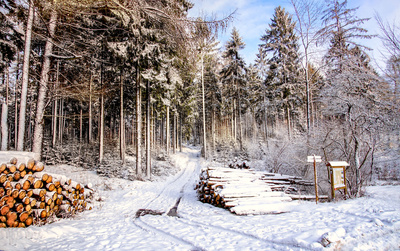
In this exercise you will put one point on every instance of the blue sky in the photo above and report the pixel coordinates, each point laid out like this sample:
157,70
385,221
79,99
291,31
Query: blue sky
253,16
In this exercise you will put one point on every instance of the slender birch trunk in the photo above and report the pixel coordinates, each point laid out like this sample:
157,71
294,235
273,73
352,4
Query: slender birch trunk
90,110
168,131
148,131
44,79
204,109
25,78
138,125
101,134
4,117
122,122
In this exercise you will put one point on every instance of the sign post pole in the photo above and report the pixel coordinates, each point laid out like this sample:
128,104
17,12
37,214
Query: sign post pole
315,159
316,180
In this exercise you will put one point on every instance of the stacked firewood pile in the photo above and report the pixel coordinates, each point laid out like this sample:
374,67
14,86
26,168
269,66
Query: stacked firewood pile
246,191
28,195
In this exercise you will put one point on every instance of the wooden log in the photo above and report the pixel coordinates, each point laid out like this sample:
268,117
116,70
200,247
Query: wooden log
21,167
41,175
76,185
32,202
19,207
15,193
21,225
39,192
30,164
17,175
9,200
12,168
7,184
38,167
59,189
37,184
40,205
3,178
3,225
3,167
50,187
23,174
13,161
29,192
40,213
11,218
23,216
30,178
29,221
3,218
22,194
52,195
16,185
26,200
28,207
4,209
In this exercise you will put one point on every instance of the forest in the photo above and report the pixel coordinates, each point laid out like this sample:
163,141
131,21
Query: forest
121,84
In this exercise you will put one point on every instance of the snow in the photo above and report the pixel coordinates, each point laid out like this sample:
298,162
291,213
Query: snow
368,223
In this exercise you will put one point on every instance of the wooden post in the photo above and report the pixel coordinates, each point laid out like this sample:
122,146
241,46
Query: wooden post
316,180
315,159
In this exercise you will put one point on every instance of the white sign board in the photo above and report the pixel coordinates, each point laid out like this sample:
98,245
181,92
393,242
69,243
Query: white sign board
312,158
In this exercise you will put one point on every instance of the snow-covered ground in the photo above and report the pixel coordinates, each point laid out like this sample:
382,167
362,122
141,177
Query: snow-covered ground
368,223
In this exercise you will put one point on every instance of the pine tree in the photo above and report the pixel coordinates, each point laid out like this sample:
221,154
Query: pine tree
283,80
351,95
233,79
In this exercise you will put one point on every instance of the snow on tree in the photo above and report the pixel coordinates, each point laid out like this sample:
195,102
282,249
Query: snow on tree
352,96
233,80
283,80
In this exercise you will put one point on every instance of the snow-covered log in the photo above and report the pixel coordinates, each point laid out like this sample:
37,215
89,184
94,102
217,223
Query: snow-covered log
247,191
29,195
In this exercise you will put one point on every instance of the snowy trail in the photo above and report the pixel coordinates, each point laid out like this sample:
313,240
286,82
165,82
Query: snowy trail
368,223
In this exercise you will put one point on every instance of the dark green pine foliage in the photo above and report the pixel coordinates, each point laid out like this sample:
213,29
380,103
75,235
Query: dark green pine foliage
233,77
233,72
10,39
283,81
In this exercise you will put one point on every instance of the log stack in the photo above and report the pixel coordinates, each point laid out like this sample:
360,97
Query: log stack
246,191
28,195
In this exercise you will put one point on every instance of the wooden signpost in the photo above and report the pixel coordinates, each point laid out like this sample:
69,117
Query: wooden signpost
315,159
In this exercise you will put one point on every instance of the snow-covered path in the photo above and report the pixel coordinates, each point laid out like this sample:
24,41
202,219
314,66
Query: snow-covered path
369,223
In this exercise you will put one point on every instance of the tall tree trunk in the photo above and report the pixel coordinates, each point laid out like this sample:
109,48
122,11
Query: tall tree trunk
138,125
168,131
101,133
44,79
55,107
204,109
81,124
4,117
357,165
122,122
180,133
61,121
148,130
213,128
90,110
17,79
25,78
288,122
174,131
